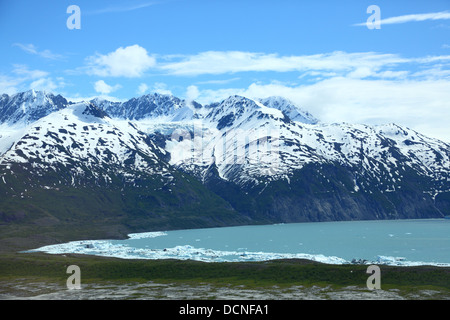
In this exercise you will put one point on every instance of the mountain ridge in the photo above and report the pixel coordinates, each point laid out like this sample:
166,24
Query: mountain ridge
166,163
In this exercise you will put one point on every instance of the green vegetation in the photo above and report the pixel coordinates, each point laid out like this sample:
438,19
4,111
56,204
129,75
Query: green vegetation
64,213
147,204
280,273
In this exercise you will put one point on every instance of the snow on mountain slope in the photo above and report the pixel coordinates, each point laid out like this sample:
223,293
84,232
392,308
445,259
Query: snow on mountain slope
82,139
247,144
248,141
265,158
10,134
294,112
26,107
152,106
240,111
428,154
211,140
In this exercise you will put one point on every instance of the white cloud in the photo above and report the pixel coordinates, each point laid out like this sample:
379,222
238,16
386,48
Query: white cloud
192,93
30,48
122,8
393,74
361,72
319,66
419,104
413,18
131,62
433,59
142,88
221,82
23,78
134,61
433,74
417,17
44,84
361,87
23,71
8,85
220,62
161,88
47,84
101,87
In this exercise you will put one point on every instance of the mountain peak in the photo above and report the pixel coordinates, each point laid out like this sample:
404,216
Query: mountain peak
289,108
29,106
245,150
93,110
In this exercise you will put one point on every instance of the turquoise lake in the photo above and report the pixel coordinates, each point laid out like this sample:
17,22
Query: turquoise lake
395,242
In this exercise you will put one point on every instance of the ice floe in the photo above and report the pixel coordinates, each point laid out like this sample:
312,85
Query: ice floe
187,252
147,235
182,252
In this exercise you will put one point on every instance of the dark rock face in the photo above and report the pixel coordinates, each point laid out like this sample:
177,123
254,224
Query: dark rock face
29,106
308,196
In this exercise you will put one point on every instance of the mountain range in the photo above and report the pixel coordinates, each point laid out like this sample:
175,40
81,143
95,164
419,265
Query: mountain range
159,162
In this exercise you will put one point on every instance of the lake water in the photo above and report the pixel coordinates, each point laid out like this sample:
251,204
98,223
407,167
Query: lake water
394,242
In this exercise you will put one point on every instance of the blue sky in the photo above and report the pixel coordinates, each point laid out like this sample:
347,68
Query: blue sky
319,54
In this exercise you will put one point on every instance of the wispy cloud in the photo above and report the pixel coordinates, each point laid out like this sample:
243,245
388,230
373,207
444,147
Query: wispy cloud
134,62
47,84
8,84
161,88
143,87
219,82
444,15
125,8
24,72
359,65
22,78
222,62
158,87
366,87
31,49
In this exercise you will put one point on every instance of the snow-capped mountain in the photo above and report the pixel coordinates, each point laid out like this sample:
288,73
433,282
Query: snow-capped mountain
151,106
79,164
27,107
290,109
255,160
266,142
79,139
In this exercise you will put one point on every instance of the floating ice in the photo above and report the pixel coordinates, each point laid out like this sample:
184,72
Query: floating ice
185,252
204,250
146,235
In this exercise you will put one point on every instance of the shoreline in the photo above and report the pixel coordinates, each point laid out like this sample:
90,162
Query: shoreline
29,272
105,247
187,252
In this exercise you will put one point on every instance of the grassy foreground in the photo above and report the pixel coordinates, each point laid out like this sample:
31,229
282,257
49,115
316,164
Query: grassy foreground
282,273
40,267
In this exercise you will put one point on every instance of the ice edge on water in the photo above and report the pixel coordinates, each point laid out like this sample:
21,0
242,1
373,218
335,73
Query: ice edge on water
186,252
143,235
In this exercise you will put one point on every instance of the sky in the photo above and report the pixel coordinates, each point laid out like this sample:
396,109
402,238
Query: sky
354,61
